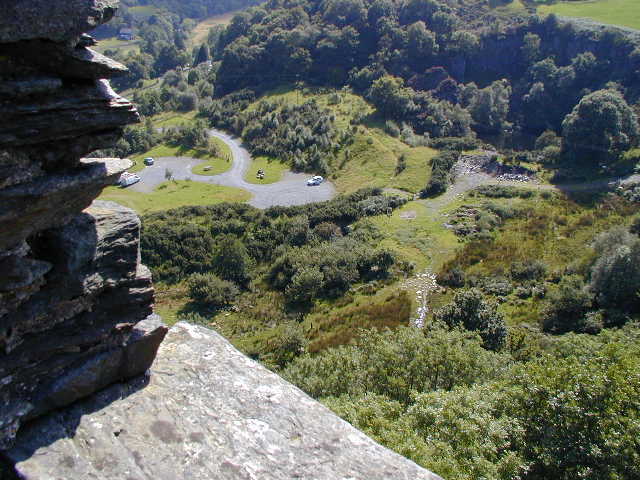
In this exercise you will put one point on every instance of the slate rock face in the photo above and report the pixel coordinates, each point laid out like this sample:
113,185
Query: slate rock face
205,412
58,21
75,303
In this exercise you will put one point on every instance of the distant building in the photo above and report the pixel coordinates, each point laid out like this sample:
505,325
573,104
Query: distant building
126,34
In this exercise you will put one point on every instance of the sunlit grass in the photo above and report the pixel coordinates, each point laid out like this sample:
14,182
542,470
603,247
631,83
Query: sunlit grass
273,170
174,194
123,46
201,31
625,13
173,119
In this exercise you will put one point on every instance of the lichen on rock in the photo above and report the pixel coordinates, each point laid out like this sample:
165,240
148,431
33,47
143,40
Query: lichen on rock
205,412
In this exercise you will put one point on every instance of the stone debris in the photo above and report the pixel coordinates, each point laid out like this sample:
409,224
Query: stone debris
423,284
514,177
487,162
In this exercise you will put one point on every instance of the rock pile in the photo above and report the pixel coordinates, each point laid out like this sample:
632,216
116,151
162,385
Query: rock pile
487,161
73,295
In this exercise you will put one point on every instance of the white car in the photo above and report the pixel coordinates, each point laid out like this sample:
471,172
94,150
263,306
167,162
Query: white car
317,180
149,161
127,179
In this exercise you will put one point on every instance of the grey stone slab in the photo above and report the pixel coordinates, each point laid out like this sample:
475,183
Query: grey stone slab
207,412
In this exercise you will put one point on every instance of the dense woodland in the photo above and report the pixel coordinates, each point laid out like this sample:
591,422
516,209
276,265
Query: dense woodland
528,363
431,70
419,61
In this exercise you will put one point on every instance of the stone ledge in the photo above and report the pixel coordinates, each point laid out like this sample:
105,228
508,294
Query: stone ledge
208,412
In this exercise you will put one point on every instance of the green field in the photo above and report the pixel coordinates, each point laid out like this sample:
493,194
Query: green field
213,167
273,170
142,12
416,232
122,46
165,150
173,119
625,13
174,194
201,30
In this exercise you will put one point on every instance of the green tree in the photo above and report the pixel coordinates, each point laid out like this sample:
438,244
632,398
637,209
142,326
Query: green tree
566,307
599,128
231,260
305,285
579,413
391,97
421,43
490,108
531,47
202,56
209,290
615,277
470,310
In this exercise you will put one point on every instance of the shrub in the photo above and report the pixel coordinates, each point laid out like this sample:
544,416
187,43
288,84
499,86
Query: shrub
615,277
288,343
548,138
441,166
306,284
392,128
187,102
635,226
402,164
396,363
528,270
455,143
499,286
209,290
503,191
327,231
470,310
578,412
566,307
453,277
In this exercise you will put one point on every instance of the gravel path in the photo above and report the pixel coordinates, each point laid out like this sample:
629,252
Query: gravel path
291,190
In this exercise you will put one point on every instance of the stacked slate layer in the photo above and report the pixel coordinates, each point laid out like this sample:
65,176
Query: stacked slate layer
75,302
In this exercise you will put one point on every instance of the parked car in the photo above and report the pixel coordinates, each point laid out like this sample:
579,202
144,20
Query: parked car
316,180
127,179
149,161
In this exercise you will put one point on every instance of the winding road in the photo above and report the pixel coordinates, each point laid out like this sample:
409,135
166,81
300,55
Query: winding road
290,190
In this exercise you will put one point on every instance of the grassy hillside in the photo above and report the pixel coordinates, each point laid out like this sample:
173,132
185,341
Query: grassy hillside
625,13
121,46
372,159
201,30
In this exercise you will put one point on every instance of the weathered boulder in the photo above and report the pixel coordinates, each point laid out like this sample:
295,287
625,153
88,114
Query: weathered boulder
206,412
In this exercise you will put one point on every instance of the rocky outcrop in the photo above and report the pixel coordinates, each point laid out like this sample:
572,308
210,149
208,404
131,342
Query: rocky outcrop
75,303
206,412
76,323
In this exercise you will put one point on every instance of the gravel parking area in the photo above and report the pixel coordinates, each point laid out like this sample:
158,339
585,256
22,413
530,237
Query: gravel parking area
291,190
